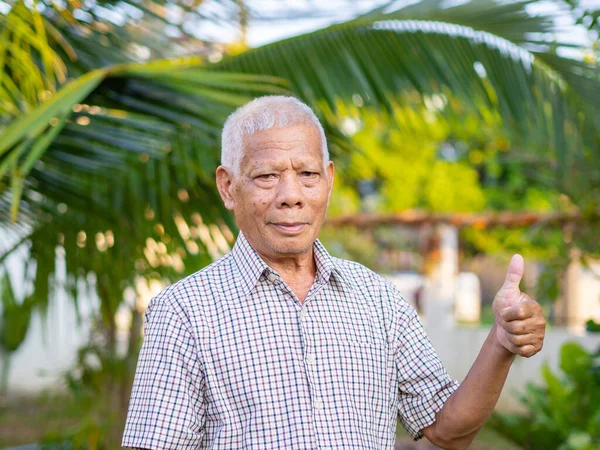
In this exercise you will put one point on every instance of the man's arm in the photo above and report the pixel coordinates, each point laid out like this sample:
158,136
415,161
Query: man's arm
518,329
166,408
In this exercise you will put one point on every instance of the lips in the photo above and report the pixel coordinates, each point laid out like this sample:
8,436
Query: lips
290,227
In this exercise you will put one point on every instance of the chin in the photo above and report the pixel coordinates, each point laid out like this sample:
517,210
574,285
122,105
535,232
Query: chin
291,246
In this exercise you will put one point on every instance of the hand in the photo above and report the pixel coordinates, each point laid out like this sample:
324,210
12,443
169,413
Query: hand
520,324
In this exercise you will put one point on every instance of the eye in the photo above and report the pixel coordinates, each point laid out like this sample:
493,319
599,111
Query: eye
266,176
309,174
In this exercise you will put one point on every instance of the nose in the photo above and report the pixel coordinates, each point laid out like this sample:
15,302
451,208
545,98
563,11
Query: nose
290,192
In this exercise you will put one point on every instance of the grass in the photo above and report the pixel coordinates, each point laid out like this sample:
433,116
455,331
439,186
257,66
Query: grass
25,420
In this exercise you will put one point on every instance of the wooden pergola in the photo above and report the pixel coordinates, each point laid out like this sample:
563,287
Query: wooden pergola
442,245
476,220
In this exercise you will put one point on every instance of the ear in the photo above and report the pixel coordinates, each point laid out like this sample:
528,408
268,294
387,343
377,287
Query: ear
330,169
225,186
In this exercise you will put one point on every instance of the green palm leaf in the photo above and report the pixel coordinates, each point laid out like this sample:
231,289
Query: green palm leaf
483,56
138,109
127,147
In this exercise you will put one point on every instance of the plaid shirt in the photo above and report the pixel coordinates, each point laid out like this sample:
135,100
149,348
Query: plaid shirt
232,360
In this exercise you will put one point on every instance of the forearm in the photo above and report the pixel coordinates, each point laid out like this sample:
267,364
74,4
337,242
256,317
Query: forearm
465,412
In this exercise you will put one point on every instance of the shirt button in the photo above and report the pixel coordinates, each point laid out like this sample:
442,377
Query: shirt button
310,359
318,405
272,276
303,312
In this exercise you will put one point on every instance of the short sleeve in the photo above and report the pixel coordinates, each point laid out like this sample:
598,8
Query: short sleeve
424,386
166,408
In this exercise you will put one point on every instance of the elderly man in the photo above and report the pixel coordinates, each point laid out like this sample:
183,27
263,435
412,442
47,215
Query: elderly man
280,345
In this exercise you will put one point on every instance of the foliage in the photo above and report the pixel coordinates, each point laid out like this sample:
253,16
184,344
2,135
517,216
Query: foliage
108,152
592,326
129,118
99,407
14,324
15,318
404,162
563,414
443,164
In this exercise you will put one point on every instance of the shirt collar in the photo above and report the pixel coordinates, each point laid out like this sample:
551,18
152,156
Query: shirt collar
251,266
325,263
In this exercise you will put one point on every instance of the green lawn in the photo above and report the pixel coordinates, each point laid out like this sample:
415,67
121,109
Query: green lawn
24,420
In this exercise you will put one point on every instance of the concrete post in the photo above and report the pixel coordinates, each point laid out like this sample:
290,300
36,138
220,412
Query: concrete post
440,285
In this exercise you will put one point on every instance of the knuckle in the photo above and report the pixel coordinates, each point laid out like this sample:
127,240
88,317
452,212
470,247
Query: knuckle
527,352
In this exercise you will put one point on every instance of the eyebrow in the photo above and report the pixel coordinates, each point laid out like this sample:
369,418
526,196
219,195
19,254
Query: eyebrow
266,167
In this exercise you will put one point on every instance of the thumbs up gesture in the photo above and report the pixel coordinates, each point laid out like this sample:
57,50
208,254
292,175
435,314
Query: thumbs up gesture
520,324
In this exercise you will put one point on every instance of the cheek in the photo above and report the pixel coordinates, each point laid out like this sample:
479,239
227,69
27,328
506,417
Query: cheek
259,203
255,199
318,197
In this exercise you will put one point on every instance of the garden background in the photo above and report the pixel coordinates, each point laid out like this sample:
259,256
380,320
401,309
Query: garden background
462,132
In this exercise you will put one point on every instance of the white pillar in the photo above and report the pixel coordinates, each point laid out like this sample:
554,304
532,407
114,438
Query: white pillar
467,303
440,287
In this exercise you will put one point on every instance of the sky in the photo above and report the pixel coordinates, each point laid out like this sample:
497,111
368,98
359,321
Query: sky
303,16
295,17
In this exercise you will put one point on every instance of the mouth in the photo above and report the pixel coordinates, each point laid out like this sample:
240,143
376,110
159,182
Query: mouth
290,227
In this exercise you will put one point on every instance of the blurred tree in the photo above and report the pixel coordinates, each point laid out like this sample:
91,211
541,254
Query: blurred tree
107,153
447,164
14,323
408,164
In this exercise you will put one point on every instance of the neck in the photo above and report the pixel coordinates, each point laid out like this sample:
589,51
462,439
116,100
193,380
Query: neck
293,267
298,271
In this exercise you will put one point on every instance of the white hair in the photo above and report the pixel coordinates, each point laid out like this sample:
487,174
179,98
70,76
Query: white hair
264,113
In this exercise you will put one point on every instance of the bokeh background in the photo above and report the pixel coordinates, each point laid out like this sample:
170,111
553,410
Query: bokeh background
462,132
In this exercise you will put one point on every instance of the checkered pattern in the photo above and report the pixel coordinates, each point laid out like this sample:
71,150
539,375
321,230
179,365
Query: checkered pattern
232,360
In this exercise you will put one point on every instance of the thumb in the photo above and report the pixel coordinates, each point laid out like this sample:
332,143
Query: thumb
514,273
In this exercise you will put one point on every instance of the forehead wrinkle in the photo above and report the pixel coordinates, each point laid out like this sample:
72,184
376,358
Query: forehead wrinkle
280,158
305,161
271,144
282,149
253,153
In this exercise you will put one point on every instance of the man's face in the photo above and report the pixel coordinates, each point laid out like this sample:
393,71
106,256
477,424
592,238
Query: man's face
282,190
